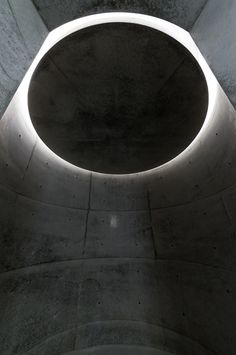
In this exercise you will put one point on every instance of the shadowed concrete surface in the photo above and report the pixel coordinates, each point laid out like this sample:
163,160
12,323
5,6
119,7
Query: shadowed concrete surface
211,22
99,264
108,100
181,12
117,350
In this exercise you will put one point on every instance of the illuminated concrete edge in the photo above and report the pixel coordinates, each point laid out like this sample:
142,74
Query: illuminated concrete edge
171,30
143,260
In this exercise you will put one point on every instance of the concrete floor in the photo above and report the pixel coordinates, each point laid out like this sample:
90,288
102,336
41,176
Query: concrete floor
103,264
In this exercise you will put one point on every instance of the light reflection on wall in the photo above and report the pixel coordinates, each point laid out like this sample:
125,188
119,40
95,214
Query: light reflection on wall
180,35
114,222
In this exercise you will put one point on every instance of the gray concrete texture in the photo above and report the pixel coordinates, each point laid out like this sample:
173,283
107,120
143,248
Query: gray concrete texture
211,22
203,18
215,34
107,265
181,12
101,82
22,32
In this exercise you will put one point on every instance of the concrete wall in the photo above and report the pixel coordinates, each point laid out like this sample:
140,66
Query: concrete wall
93,263
215,34
211,22
181,12
141,265
22,33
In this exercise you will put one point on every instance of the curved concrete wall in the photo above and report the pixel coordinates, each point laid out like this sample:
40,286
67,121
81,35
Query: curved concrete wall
143,263
211,22
96,86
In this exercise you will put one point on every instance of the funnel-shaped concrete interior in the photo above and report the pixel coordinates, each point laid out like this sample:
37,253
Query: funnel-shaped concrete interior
104,264
118,98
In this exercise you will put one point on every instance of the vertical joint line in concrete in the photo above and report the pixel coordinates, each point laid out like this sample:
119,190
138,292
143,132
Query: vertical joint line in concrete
30,158
151,227
226,209
87,215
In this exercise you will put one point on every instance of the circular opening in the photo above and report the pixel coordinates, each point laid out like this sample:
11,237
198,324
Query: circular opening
118,98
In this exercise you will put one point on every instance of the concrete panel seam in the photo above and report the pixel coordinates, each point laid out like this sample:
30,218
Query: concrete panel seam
87,215
226,210
199,15
119,210
113,259
37,10
151,226
30,158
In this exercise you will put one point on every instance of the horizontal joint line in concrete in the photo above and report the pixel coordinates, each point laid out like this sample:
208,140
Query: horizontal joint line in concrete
113,259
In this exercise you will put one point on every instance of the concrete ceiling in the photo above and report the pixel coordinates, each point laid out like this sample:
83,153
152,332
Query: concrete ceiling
181,12
107,99
87,261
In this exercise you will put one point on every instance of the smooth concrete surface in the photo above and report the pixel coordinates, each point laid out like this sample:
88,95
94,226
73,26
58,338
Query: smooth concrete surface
117,350
136,261
215,34
107,100
211,22
142,260
22,33
181,12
